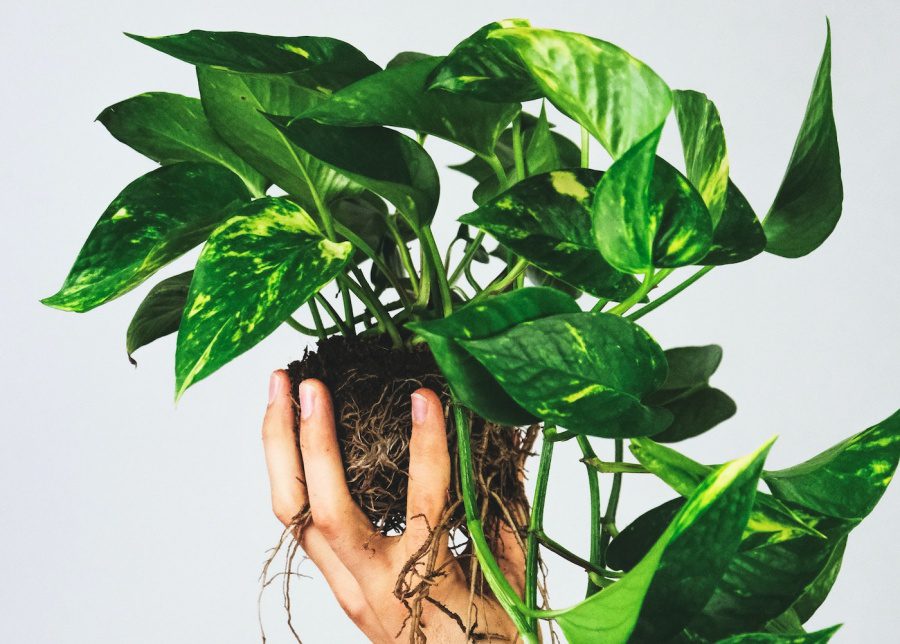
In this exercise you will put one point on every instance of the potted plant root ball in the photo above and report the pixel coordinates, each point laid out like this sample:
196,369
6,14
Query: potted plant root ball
305,171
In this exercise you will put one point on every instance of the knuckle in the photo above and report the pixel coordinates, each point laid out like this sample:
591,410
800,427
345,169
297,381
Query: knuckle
327,521
283,511
355,607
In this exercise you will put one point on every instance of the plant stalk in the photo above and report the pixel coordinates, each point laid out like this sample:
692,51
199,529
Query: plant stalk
466,259
668,295
536,522
433,256
369,252
376,308
609,519
596,517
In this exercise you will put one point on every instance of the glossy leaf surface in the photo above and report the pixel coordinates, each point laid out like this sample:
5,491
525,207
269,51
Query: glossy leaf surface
470,382
600,86
657,597
386,162
647,215
547,220
582,371
159,314
818,637
809,201
169,128
397,97
154,220
738,235
254,272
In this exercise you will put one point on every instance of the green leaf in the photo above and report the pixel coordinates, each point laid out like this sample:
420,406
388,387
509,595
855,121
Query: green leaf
847,480
547,220
582,371
737,233
771,521
695,406
815,593
808,204
254,272
170,127
636,539
647,215
600,86
386,162
486,67
405,58
235,104
541,152
657,598
309,60
470,382
398,97
819,637
159,314
537,277
153,221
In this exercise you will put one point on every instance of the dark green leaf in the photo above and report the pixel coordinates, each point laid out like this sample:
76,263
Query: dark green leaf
657,597
154,220
537,277
635,541
405,58
386,162
234,104
739,235
819,637
471,383
309,60
808,204
541,154
486,67
615,96
847,480
816,592
159,314
363,215
695,413
254,272
690,367
647,215
170,127
582,371
547,220
398,97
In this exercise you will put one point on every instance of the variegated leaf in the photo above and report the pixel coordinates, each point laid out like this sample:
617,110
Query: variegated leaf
398,97
154,220
582,371
647,215
658,597
386,162
547,220
159,314
254,272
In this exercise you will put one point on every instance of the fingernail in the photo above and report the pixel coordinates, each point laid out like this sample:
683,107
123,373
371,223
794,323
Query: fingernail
307,400
419,408
274,386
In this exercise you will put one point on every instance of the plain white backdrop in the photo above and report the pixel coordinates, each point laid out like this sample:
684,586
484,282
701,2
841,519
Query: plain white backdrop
124,519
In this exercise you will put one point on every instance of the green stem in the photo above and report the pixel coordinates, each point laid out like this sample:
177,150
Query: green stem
585,147
609,519
558,549
363,317
376,308
302,328
501,283
405,257
471,249
498,583
637,296
662,299
317,319
379,262
433,256
596,517
497,166
604,467
340,323
536,523
518,155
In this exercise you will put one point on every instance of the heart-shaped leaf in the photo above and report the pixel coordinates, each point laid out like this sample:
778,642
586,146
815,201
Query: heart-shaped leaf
487,68
254,272
808,204
470,382
547,220
647,215
159,314
582,371
847,480
170,127
657,597
153,221
386,162
738,235
235,104
615,96
397,97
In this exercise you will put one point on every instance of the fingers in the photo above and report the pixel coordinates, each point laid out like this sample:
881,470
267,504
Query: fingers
333,510
282,457
429,465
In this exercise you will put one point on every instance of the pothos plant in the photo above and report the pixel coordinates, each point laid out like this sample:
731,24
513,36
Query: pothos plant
291,171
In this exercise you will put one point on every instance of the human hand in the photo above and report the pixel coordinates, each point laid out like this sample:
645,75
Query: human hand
360,565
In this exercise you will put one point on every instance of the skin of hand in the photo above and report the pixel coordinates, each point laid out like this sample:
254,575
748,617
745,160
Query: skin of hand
360,565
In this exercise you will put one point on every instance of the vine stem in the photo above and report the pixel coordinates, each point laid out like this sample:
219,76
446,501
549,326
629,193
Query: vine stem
494,162
405,257
433,256
328,330
536,522
498,583
596,517
637,296
609,519
668,295
471,249
371,302
502,282
332,313
369,252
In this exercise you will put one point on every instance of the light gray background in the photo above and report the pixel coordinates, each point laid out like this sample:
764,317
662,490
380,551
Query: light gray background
124,519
